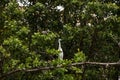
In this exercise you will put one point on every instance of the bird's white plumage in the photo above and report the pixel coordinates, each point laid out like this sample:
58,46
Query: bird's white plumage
60,55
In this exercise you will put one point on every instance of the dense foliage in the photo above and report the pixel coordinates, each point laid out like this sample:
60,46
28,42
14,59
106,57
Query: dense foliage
90,31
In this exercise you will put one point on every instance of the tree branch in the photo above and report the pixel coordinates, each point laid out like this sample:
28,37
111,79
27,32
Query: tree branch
59,66
96,63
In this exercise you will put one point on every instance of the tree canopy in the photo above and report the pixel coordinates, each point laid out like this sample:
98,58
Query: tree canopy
90,32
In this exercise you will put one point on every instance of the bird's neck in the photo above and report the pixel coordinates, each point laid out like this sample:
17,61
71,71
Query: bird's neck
59,44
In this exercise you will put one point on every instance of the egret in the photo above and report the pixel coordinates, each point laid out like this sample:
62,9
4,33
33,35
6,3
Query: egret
60,55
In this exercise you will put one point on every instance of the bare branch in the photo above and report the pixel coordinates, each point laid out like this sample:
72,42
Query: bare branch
96,63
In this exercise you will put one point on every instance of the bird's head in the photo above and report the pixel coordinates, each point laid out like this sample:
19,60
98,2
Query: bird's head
59,40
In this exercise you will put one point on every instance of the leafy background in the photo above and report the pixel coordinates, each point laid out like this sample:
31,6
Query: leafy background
90,31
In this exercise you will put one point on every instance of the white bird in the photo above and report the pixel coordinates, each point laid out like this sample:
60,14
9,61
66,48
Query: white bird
60,55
